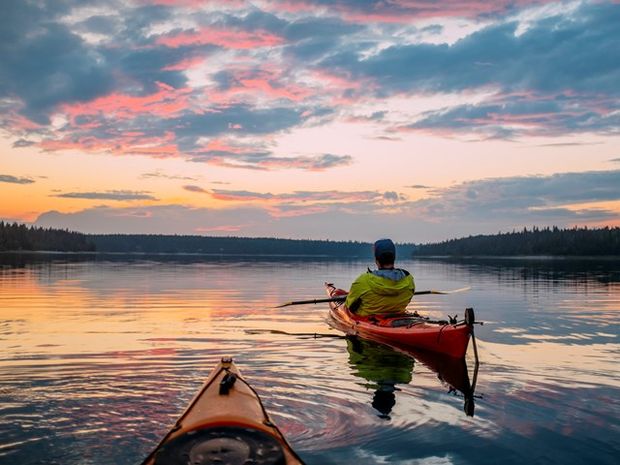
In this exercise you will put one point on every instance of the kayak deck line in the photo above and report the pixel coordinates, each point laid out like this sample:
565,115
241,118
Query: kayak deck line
225,422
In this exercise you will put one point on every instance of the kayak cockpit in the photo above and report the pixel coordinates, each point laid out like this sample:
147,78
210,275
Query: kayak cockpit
225,424
217,445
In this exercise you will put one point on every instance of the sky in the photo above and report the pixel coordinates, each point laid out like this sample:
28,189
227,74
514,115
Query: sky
344,120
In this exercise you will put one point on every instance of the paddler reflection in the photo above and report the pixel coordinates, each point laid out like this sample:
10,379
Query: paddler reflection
384,368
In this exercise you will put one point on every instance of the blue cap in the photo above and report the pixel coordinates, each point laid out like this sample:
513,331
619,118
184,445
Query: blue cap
385,248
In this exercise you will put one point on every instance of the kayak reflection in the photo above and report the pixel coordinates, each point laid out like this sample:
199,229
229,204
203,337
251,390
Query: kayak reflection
384,367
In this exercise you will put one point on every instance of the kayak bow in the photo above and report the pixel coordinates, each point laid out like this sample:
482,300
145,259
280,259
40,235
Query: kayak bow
406,330
224,424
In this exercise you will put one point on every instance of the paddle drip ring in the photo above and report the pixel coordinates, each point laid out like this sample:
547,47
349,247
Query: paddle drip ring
224,445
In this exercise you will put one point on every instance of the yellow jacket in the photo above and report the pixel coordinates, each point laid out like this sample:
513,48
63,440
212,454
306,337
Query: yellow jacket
381,291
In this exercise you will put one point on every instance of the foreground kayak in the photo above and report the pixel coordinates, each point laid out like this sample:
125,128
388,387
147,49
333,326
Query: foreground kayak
450,338
225,424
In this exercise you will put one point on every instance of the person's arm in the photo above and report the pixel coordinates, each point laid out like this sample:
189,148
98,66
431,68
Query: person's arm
355,294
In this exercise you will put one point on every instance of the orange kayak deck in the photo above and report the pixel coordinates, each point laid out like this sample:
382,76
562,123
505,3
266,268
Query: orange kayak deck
225,423
403,330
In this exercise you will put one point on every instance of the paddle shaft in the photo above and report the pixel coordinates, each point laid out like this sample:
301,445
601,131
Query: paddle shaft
340,298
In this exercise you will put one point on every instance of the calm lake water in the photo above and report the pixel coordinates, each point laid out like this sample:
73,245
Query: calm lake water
98,357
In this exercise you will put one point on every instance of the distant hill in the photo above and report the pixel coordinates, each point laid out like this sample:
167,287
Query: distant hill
547,241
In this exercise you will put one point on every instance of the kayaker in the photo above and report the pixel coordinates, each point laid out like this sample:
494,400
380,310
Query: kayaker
384,290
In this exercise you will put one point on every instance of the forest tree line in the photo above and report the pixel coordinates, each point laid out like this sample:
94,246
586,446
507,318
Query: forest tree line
156,243
19,237
15,236
545,241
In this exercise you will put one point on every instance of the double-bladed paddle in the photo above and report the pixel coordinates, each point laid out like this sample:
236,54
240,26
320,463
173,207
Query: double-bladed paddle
340,298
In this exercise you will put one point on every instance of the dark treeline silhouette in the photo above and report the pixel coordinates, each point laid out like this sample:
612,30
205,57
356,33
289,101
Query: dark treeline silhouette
15,236
154,243
546,241
19,237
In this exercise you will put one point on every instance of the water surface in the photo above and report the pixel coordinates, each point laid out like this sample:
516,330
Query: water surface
99,357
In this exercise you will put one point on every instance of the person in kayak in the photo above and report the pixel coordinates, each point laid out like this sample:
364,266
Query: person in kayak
384,290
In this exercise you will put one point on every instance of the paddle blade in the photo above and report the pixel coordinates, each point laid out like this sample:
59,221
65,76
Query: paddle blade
446,292
284,305
339,298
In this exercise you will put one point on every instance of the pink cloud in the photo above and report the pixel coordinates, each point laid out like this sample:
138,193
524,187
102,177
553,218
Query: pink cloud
398,11
166,102
404,11
17,122
265,81
314,197
269,163
221,145
292,213
342,90
290,6
24,123
226,38
222,228
185,64
195,3
131,143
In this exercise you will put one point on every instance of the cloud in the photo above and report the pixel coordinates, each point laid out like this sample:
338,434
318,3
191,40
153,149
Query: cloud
158,174
161,219
157,78
553,53
44,63
399,11
221,37
20,143
267,161
478,206
108,195
525,198
418,186
305,197
555,77
241,118
392,196
197,189
529,115
15,180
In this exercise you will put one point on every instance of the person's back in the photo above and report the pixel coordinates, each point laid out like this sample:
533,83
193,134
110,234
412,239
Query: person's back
385,290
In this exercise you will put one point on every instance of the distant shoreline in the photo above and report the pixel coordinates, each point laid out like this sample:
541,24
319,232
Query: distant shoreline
223,254
148,254
516,257
546,243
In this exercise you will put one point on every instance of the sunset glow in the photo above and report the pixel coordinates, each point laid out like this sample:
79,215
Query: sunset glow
418,120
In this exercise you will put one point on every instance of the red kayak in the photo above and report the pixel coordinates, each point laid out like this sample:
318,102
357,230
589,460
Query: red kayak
450,338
